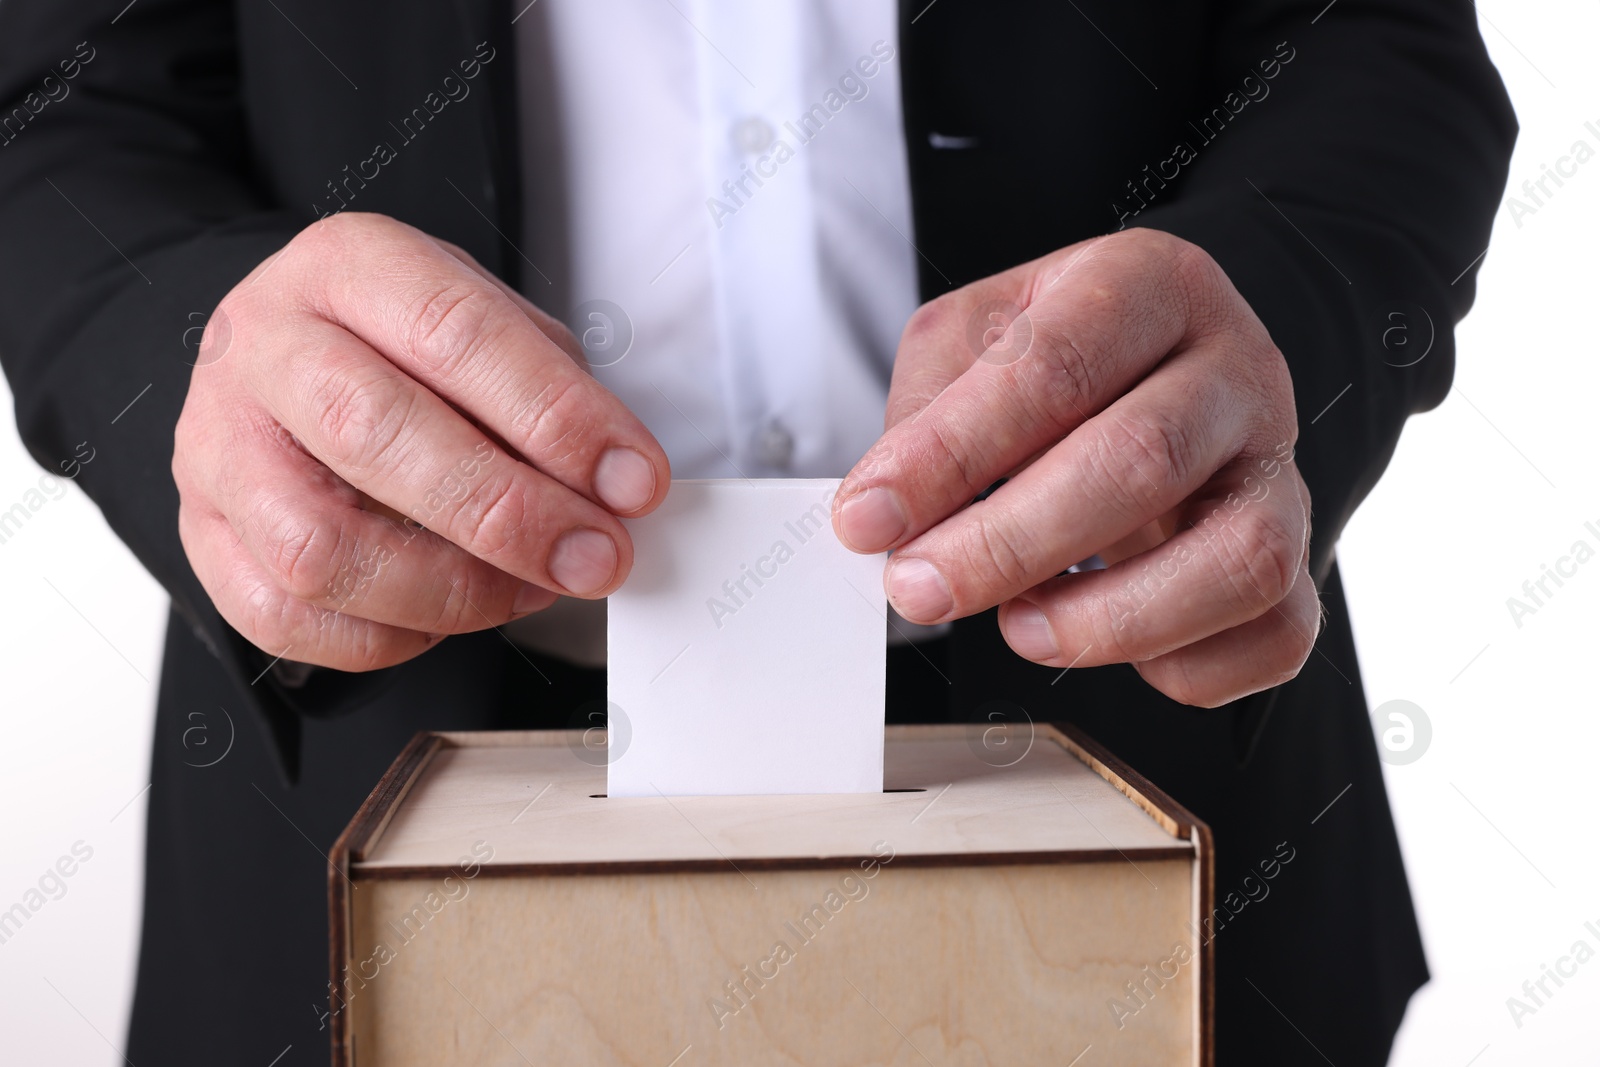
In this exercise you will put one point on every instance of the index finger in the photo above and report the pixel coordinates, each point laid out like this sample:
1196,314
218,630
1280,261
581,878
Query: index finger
1092,322
463,336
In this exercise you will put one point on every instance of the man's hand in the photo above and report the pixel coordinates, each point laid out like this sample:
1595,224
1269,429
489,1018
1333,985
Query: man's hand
1142,413
369,373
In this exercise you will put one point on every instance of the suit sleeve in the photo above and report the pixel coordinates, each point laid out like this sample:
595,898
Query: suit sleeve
129,212
1350,199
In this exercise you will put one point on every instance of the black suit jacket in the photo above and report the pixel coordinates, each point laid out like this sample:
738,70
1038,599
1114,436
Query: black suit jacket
1342,162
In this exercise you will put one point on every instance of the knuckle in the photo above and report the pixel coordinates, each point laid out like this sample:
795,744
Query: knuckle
302,559
1265,558
1107,302
265,619
559,333
1176,677
1280,397
338,232
252,313
216,435
1285,415
1299,650
1069,378
932,319
1191,265
1110,626
1272,359
237,309
315,238
1150,456
324,237
449,326
495,516
948,451
460,603
1187,264
1267,371
369,651
1287,657
1204,293
553,425
455,251
361,418
196,546
350,644
451,613
996,556
183,454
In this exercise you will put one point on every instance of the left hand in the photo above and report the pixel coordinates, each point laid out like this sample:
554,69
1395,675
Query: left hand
1141,412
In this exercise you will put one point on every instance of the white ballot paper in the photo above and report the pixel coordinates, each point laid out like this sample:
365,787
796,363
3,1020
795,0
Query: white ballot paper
745,652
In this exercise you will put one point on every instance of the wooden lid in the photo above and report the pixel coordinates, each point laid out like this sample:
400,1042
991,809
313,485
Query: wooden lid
532,797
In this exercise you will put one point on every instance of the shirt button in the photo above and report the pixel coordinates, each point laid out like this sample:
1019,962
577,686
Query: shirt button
753,134
775,445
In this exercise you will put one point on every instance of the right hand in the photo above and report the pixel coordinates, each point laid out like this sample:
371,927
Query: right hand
367,372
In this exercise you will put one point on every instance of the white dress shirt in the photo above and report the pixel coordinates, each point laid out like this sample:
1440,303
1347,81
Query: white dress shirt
717,202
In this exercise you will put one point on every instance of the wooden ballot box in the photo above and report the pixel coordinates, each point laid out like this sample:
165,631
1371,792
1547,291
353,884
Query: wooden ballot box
1031,903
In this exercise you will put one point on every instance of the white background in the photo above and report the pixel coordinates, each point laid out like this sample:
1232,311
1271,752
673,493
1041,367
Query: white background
1495,817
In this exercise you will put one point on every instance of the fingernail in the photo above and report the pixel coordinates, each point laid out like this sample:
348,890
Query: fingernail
1028,632
583,561
531,598
918,590
624,480
871,520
